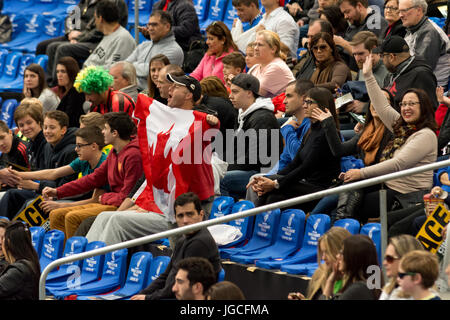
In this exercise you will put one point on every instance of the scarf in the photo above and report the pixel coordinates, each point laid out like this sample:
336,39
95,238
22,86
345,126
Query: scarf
323,72
370,140
400,136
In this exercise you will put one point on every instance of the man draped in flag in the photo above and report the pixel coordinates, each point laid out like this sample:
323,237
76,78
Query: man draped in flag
175,146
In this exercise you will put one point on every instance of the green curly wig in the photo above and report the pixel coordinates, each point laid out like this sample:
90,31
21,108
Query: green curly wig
93,80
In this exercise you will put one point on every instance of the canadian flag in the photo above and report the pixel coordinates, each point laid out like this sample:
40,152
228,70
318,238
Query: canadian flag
175,157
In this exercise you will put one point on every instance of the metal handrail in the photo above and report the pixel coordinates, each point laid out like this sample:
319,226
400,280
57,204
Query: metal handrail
240,215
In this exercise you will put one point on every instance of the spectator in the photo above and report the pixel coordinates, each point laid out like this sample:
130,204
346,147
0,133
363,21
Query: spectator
124,78
89,144
395,25
185,21
224,290
3,263
360,17
71,100
334,16
406,71
194,276
14,154
162,83
233,64
57,151
156,64
304,11
250,59
79,44
414,145
329,246
417,272
255,117
35,86
314,166
244,27
120,171
160,29
331,71
200,243
117,43
425,39
271,70
20,279
220,43
358,253
368,145
397,247
276,19
95,82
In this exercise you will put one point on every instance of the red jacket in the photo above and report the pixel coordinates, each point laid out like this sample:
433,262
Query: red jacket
120,171
116,101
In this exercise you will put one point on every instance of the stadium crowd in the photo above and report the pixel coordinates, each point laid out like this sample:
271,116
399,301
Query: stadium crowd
303,96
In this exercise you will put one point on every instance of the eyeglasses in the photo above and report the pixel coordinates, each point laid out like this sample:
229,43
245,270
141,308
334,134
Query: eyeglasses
406,10
387,8
309,102
408,103
390,259
80,145
401,275
321,47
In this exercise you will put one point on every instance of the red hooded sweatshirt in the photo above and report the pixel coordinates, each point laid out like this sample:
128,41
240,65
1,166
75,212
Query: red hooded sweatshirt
120,171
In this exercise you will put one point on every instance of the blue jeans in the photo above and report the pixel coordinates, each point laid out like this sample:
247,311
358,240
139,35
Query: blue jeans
326,205
234,183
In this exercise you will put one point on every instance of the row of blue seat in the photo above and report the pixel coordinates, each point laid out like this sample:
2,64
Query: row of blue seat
282,240
102,277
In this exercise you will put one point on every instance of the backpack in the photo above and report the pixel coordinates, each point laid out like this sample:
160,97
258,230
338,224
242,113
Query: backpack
5,28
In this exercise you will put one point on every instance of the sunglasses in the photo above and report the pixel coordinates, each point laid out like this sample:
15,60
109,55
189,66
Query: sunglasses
390,259
322,47
401,275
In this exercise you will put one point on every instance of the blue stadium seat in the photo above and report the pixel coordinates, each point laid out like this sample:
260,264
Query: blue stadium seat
74,245
157,267
306,269
201,7
41,6
28,32
113,277
91,271
289,238
52,247
62,9
373,230
17,84
245,225
3,54
136,278
37,238
230,15
221,207
221,275
145,8
42,60
351,225
7,113
316,226
11,68
264,232
14,6
216,12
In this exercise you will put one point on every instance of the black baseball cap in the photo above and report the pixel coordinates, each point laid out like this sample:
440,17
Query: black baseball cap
192,84
394,44
247,82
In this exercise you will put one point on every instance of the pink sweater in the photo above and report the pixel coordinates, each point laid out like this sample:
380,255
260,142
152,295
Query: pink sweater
210,66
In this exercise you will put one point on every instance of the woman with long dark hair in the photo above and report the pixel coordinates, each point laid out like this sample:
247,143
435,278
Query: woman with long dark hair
414,145
155,65
20,279
314,167
71,100
35,86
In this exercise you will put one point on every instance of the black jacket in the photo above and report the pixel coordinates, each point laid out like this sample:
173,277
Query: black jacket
35,152
72,104
60,155
397,29
314,162
16,156
417,74
19,282
199,244
185,21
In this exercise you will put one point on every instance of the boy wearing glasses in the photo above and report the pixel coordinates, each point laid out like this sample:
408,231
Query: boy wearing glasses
417,273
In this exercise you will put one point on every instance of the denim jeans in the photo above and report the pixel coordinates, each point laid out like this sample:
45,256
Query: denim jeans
234,183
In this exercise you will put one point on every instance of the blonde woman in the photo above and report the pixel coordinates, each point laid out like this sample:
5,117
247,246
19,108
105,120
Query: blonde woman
398,246
271,69
328,248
